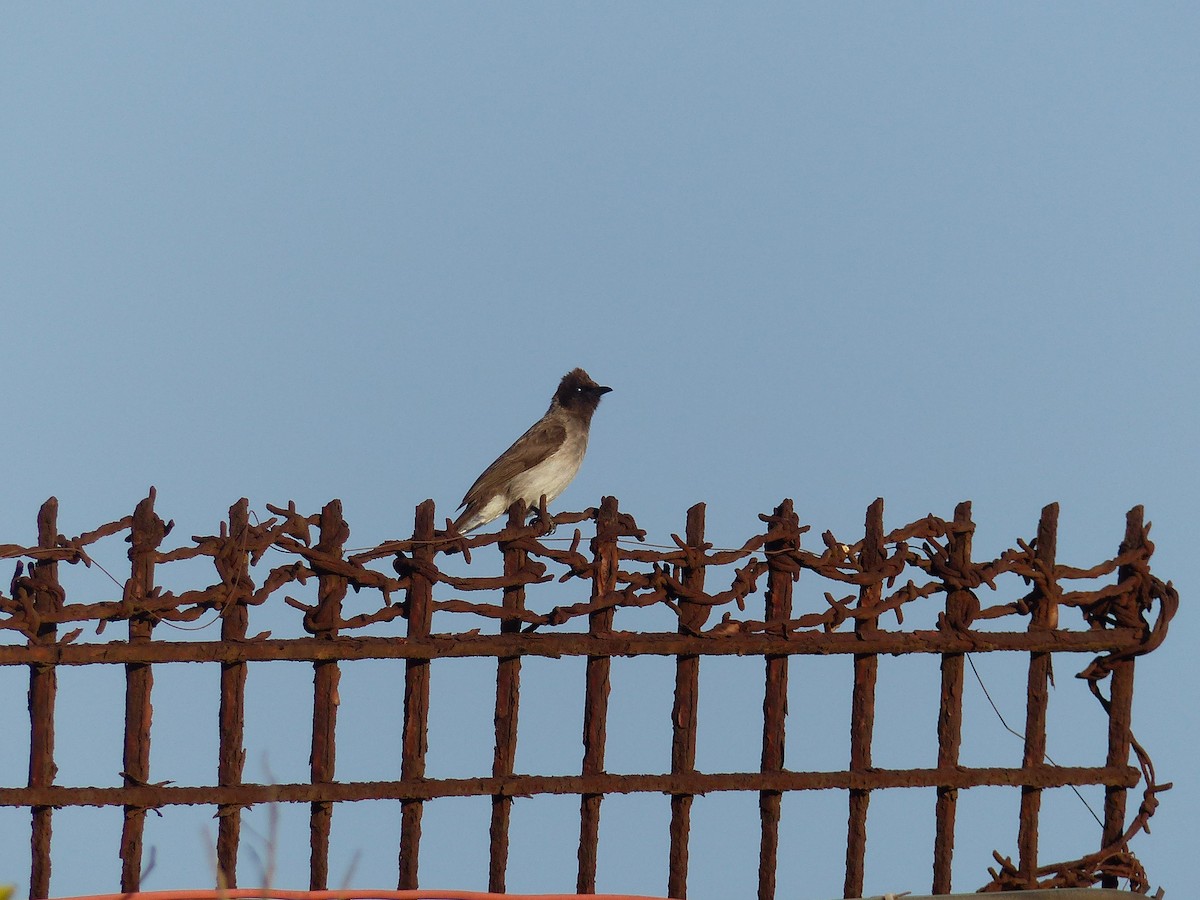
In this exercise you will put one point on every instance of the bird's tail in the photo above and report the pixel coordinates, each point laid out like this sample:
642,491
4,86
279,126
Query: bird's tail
469,520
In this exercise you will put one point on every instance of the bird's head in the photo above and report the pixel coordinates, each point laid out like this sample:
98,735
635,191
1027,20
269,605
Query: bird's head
578,393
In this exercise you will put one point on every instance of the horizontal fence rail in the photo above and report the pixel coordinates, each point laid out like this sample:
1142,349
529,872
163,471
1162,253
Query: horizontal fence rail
867,587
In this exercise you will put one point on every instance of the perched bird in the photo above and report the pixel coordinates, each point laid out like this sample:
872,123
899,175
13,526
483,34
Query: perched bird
543,460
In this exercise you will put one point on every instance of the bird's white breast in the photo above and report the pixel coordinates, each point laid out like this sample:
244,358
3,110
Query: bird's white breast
551,476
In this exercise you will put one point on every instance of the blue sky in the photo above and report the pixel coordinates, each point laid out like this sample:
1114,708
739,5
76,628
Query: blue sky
929,252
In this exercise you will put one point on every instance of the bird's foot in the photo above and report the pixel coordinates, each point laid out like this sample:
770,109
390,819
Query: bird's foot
540,515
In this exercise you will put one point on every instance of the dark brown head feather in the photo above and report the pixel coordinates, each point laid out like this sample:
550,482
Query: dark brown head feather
578,394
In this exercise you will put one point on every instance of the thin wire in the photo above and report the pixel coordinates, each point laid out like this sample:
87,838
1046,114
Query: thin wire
626,542
106,572
174,625
1012,731
200,627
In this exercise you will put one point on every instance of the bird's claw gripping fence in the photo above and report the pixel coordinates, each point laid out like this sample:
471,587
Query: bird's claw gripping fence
883,573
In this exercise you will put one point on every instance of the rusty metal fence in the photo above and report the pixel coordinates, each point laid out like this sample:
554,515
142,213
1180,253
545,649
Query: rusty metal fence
883,574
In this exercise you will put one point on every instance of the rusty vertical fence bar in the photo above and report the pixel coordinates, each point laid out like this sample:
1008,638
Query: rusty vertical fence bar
862,707
950,711
233,566
146,533
43,688
508,700
684,710
1044,615
415,740
595,703
1120,702
331,590
783,535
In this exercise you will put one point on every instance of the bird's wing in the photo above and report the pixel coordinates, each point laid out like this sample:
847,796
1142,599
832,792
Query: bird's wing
530,449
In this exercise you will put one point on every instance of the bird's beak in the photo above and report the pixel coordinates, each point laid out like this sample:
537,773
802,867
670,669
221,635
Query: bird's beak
601,389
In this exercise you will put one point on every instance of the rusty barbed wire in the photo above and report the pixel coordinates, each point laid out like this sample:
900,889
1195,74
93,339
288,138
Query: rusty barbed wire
1115,861
657,582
